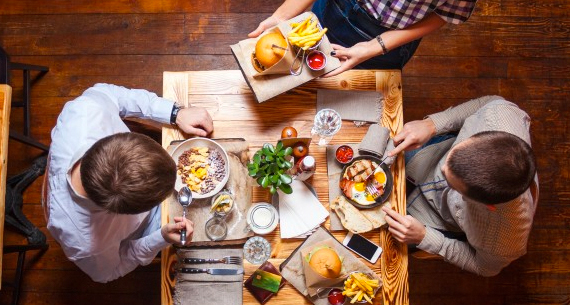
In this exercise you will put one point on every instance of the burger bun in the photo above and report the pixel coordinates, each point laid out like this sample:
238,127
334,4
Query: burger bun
326,262
266,54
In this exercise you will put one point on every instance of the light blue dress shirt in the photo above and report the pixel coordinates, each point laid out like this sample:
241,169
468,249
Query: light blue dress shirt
104,245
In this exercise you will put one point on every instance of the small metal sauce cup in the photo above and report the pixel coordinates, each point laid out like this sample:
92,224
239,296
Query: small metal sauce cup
314,52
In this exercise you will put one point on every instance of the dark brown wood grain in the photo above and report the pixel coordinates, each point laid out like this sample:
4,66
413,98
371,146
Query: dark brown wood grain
515,48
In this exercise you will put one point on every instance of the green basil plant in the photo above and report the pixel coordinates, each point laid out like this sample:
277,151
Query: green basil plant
269,167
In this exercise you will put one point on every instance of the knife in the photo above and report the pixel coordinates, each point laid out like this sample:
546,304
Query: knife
212,271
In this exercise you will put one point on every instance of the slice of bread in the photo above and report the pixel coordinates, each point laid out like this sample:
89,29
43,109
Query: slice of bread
376,216
350,217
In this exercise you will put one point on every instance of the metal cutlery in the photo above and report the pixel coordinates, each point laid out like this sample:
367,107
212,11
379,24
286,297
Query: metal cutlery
212,271
235,260
370,187
184,198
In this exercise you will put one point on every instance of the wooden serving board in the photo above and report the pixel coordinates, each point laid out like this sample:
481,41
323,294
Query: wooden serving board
239,185
236,113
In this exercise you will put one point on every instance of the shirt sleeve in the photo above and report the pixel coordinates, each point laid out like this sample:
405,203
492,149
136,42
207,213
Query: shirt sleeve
114,263
456,11
137,103
462,254
453,118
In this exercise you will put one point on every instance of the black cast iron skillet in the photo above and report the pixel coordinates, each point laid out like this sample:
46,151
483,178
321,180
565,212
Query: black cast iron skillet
387,188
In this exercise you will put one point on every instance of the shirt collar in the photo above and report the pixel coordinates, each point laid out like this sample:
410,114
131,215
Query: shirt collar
80,199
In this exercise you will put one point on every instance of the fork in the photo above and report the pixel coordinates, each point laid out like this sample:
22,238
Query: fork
370,187
235,260
373,191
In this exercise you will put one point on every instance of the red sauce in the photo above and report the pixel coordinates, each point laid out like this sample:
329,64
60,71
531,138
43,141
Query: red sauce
316,60
336,297
344,154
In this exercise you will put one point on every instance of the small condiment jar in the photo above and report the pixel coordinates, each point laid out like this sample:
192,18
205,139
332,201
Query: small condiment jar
316,60
305,168
344,154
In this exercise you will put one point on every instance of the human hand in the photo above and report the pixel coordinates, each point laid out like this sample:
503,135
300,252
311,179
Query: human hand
350,57
264,25
171,231
404,228
414,134
195,121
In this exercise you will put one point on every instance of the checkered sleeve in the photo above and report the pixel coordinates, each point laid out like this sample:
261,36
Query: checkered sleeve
456,11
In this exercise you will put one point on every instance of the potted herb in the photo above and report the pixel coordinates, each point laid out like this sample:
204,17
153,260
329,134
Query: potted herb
269,167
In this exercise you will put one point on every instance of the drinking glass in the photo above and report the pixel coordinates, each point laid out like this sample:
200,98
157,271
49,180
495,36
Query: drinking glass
257,250
327,124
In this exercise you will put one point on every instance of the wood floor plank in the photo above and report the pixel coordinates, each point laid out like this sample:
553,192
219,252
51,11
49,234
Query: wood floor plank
142,6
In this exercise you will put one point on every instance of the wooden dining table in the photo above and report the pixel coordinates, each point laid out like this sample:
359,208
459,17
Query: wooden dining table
5,106
236,113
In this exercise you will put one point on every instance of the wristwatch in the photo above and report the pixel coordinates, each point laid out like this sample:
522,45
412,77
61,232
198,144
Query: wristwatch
174,113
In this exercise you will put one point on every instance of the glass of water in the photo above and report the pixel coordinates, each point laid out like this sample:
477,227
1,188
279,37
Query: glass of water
327,124
257,250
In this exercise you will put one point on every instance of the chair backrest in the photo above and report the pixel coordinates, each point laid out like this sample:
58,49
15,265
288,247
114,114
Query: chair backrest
4,67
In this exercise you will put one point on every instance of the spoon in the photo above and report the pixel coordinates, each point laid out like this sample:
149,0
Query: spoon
184,198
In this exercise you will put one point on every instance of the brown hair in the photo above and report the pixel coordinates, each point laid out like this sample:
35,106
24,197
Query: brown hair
127,173
495,167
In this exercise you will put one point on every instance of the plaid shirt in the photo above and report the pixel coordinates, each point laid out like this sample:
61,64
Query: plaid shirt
399,14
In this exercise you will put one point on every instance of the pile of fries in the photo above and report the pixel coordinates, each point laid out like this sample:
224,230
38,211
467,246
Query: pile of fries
305,34
359,286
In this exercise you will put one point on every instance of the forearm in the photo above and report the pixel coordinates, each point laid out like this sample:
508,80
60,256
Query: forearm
461,254
291,8
117,262
134,102
395,38
453,118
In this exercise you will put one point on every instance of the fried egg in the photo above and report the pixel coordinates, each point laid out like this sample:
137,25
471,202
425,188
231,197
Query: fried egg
360,195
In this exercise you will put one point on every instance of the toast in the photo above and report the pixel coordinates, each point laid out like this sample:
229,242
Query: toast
375,215
350,217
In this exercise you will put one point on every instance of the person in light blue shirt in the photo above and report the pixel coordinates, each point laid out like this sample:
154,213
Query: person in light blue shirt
105,184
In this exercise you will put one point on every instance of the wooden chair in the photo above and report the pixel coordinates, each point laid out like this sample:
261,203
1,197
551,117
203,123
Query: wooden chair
6,66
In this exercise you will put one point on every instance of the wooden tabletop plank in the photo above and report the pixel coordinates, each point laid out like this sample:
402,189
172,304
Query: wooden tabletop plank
5,106
236,113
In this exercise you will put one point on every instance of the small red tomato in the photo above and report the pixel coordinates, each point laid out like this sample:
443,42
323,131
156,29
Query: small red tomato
300,150
288,132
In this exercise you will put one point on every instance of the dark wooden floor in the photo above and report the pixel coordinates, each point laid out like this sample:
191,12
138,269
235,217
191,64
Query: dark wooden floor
519,49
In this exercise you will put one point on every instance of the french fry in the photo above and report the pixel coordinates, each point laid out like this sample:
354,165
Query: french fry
355,298
300,25
368,299
358,286
305,34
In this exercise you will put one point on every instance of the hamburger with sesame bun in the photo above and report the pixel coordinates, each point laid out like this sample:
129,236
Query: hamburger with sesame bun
325,261
269,50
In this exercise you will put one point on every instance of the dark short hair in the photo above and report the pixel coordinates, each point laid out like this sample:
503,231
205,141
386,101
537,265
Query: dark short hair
495,166
127,173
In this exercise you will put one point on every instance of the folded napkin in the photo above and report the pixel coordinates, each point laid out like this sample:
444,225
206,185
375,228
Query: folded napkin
203,288
299,212
390,146
375,140
352,105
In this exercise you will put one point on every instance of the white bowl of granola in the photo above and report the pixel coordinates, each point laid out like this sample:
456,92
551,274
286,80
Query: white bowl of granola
202,165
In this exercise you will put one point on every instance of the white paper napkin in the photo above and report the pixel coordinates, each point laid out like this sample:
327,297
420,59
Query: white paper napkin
300,212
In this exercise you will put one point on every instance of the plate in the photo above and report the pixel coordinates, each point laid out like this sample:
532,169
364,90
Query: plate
387,189
202,142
